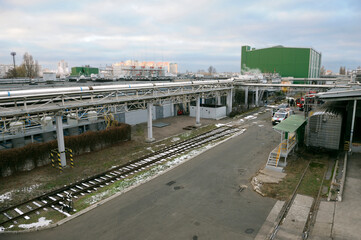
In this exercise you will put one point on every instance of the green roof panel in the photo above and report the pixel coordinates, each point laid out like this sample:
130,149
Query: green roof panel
291,124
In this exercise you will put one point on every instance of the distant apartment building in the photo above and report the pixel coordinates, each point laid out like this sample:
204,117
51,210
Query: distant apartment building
4,68
147,69
173,68
63,68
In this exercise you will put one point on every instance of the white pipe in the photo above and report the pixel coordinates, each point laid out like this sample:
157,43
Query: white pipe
79,89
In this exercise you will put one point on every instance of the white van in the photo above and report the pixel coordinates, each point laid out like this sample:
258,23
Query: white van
281,115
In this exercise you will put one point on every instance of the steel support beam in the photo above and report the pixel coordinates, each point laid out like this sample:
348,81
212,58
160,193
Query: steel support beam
60,139
150,123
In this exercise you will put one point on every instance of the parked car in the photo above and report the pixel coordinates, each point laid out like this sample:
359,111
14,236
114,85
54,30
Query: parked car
281,115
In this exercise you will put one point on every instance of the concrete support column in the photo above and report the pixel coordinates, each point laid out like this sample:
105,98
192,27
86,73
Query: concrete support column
150,123
198,111
229,101
246,96
60,139
218,100
352,125
172,109
257,97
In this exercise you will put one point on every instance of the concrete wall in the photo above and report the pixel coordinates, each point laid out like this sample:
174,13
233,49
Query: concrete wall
211,113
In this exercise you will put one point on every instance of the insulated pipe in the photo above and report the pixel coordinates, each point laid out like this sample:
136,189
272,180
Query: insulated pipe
79,89
60,139
150,123
352,124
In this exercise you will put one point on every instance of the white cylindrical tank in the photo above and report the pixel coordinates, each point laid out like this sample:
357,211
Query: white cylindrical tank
92,116
72,119
47,123
17,127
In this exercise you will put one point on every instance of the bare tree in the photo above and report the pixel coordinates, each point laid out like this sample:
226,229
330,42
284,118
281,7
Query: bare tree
31,66
211,70
322,71
342,71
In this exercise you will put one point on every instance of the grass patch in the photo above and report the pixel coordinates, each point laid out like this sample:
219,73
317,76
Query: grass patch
294,169
51,214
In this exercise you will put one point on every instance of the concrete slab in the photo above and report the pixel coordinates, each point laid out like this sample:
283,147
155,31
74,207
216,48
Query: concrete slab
296,218
270,222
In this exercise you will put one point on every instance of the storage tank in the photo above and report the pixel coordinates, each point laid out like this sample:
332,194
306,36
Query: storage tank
17,127
324,130
72,120
93,117
47,123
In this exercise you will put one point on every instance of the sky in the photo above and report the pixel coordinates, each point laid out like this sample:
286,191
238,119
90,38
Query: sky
193,33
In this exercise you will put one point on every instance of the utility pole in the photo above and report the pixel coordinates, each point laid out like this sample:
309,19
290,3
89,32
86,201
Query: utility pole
13,54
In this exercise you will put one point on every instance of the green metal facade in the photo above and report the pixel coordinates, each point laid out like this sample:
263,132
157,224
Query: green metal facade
288,62
86,71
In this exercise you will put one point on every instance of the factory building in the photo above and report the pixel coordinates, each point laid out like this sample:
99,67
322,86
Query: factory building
86,71
147,70
286,61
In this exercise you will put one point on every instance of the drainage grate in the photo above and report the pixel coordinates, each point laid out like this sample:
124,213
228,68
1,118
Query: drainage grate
249,230
178,187
170,183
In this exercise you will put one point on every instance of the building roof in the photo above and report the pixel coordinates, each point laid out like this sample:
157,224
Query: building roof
341,95
291,124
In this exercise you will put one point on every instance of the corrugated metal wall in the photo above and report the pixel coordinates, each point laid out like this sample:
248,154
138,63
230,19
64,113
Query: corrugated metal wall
288,62
324,130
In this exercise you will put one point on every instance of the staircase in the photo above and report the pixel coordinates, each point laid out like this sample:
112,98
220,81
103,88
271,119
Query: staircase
274,157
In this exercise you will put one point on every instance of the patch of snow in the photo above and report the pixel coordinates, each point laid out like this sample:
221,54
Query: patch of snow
42,222
241,120
254,122
113,167
97,197
5,196
220,125
260,125
175,139
250,117
150,149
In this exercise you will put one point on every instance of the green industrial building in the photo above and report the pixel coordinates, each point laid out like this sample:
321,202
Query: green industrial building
86,71
286,61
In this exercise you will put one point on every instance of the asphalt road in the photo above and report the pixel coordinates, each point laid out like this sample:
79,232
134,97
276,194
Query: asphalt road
203,203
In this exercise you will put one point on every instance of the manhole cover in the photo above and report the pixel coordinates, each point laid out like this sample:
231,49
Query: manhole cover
249,230
178,187
241,171
170,183
195,237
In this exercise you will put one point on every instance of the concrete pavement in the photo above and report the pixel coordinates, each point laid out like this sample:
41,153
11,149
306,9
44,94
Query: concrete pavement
203,202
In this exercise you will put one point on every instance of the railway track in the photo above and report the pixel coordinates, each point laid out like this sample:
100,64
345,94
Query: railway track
57,199
312,213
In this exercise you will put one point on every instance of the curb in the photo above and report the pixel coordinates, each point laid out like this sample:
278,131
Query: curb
61,222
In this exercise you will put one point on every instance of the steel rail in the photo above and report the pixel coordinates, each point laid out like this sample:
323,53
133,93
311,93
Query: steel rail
117,173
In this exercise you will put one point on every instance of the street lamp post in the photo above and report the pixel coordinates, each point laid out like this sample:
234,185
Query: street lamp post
13,54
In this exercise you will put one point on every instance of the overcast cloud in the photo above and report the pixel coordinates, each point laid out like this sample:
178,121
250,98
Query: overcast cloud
193,33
